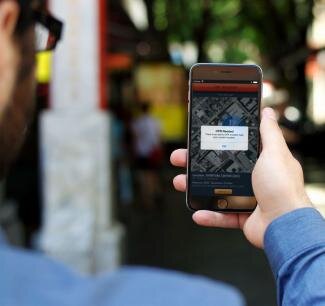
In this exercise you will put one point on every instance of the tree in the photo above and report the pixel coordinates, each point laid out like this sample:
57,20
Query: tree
271,32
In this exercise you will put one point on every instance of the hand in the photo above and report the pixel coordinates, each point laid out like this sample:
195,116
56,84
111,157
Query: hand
277,180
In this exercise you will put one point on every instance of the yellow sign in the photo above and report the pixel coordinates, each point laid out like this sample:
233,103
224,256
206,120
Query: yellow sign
164,87
172,118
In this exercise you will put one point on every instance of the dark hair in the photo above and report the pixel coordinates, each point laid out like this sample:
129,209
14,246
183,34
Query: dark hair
26,16
25,19
27,11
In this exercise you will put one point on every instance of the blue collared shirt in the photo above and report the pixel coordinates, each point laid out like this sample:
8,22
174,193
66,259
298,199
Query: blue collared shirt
32,279
294,244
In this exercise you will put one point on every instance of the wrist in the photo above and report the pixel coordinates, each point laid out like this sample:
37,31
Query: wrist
290,234
273,215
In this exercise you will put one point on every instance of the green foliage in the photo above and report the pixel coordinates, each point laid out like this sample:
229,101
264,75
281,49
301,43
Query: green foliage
273,28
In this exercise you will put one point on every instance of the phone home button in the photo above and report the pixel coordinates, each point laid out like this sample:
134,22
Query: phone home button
222,204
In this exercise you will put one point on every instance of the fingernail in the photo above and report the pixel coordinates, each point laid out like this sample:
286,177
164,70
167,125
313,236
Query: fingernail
269,112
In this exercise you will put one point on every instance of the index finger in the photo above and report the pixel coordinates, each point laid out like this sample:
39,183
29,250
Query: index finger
179,157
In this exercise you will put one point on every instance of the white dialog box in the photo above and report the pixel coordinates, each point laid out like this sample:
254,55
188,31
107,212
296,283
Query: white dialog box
224,138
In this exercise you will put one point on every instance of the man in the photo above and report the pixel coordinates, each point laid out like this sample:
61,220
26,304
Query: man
284,223
32,279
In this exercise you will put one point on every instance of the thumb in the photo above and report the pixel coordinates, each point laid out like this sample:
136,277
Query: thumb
271,134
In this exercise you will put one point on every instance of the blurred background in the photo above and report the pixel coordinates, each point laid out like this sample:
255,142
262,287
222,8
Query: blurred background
132,215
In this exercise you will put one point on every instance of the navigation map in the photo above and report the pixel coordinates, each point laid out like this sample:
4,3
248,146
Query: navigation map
224,110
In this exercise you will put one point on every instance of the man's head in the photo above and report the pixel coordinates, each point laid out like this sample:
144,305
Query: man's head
17,84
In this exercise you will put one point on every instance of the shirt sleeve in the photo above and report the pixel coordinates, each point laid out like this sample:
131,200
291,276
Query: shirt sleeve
295,246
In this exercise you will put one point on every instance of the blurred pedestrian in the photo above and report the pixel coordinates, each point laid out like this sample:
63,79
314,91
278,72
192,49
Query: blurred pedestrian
148,151
121,154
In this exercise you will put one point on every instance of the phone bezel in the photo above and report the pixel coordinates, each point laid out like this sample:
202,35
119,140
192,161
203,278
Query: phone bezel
229,72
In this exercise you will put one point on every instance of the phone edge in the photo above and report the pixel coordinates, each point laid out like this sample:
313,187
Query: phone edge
260,71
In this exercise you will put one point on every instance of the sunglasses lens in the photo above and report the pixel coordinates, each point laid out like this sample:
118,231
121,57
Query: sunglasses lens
44,39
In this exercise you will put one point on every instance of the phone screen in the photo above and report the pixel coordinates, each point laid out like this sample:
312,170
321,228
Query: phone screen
223,140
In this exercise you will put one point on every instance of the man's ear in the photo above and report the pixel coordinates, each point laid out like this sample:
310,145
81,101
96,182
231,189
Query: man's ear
9,14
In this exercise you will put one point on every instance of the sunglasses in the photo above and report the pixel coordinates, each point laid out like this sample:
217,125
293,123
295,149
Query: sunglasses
48,31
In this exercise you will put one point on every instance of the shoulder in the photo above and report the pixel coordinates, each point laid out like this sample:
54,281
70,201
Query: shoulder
153,286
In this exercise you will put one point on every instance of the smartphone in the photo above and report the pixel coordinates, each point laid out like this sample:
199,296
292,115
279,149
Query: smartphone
223,136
